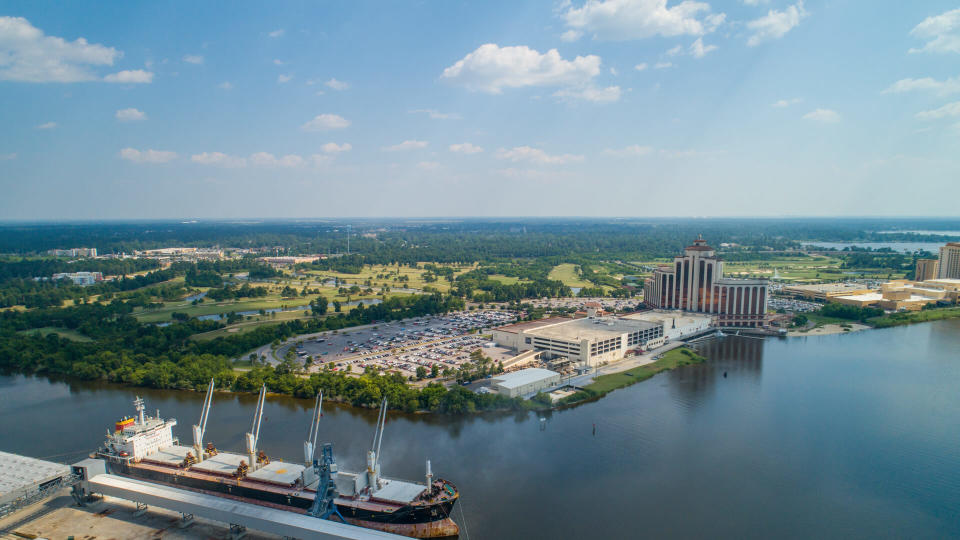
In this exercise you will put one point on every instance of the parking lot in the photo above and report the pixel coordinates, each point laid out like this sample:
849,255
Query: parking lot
401,346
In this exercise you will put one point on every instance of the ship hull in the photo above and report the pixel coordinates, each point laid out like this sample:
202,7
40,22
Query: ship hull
418,521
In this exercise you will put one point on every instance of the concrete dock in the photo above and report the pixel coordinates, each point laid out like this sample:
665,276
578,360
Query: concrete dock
59,517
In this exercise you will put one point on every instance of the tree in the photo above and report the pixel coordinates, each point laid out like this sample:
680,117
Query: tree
336,306
434,371
421,373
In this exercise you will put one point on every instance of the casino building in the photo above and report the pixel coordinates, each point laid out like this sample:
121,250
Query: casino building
695,282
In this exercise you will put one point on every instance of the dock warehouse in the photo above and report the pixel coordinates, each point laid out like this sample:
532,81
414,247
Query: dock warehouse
23,478
525,381
587,341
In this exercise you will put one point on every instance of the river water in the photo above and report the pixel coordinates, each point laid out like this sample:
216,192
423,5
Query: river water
842,436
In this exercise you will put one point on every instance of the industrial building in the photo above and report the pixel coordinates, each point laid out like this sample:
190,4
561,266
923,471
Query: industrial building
587,341
695,283
675,324
524,382
24,479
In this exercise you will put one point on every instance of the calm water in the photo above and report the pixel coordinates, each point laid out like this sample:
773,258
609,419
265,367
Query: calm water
834,436
905,247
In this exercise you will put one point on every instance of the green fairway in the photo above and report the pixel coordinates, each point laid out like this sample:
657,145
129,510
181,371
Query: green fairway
65,333
567,273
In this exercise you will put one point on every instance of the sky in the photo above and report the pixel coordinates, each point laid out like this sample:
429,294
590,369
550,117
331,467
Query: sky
120,110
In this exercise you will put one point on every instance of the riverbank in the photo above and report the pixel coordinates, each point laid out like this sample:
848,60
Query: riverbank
829,329
604,384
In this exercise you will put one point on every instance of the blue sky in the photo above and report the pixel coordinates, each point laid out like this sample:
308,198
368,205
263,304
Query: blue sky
448,108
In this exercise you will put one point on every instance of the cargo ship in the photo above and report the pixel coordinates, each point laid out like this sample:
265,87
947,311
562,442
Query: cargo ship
145,448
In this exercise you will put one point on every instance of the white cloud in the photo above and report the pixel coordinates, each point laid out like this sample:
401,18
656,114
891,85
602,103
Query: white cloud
47,125
641,66
27,55
536,155
320,160
570,36
337,85
277,33
406,145
775,24
428,165
948,110
130,115
282,79
945,87
755,2
465,148
492,68
324,122
8,157
437,115
528,174
825,116
266,159
780,103
334,148
130,76
279,62
193,58
147,156
699,50
609,94
942,33
662,65
619,20
675,51
226,85
632,150
219,159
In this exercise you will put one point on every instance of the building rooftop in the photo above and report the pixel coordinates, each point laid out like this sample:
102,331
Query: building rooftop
597,328
530,325
21,473
828,287
865,297
524,376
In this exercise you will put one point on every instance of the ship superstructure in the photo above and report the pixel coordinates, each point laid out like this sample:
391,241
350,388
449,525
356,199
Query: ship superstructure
145,447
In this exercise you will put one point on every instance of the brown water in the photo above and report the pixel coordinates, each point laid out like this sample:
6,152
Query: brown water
832,436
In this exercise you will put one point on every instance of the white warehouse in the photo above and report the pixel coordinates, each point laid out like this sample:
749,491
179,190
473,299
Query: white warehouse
525,381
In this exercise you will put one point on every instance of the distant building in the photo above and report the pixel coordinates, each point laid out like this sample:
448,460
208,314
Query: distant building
926,269
525,381
949,263
587,341
73,252
695,282
824,292
80,278
904,295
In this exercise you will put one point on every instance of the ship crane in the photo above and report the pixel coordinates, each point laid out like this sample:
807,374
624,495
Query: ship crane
254,435
310,445
201,428
373,456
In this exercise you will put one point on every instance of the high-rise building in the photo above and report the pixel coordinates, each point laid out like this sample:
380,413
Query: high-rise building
695,282
926,269
949,264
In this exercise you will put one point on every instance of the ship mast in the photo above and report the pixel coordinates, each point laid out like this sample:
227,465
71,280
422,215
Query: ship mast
201,428
138,404
254,433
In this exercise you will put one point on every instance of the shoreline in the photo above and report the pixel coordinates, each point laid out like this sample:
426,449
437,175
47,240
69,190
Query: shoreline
830,329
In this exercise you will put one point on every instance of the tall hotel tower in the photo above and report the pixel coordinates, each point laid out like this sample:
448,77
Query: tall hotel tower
695,282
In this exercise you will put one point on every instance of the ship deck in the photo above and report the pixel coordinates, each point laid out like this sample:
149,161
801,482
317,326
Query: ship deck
224,463
278,472
169,455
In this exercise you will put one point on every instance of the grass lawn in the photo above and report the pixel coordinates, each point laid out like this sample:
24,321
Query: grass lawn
567,273
506,280
897,319
670,360
72,335
389,276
